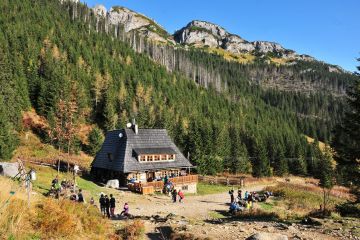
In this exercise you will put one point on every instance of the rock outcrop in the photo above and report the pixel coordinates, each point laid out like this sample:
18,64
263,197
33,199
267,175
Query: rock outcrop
267,236
205,34
133,21
100,10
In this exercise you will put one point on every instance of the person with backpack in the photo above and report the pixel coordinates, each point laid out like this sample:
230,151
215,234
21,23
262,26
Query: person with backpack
174,195
112,206
181,196
239,194
246,195
232,198
80,197
102,204
107,206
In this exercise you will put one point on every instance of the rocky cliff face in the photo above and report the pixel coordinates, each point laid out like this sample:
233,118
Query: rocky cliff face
205,34
132,21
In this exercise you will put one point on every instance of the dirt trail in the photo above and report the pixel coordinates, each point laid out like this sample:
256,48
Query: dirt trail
196,216
197,207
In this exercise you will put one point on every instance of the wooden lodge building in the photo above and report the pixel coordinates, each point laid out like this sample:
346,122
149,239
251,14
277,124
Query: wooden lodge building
140,158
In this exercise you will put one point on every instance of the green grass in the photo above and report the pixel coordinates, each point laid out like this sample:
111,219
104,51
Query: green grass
215,215
266,206
205,189
44,176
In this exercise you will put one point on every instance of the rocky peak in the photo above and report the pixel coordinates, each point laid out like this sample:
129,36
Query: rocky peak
100,10
265,47
206,34
212,28
132,21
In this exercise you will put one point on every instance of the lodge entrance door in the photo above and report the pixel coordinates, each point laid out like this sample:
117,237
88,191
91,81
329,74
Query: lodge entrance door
150,176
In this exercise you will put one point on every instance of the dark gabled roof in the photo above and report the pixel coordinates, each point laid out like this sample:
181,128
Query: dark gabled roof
162,150
125,149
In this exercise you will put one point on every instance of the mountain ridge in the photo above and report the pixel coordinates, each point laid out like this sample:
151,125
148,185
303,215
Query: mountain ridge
208,36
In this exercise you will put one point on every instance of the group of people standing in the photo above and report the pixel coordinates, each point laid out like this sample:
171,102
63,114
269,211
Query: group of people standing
175,194
108,205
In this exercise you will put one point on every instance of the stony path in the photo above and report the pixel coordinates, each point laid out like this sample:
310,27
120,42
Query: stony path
197,207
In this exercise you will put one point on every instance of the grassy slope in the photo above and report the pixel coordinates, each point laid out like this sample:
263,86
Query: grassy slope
47,218
32,149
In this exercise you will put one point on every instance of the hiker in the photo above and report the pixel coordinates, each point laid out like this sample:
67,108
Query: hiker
107,206
102,204
174,194
55,181
246,195
125,212
232,198
80,197
239,194
57,188
234,207
112,206
181,196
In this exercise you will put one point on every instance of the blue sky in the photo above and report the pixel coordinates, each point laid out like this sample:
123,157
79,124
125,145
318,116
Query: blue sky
329,30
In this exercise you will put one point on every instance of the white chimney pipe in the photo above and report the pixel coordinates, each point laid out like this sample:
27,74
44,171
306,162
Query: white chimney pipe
136,129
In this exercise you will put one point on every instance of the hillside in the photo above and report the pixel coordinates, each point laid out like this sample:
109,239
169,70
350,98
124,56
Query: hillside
73,68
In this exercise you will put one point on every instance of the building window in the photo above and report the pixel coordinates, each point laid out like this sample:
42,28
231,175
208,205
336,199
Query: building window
156,158
142,158
185,187
110,157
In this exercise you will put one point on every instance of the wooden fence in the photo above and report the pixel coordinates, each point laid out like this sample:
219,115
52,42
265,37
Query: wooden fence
241,181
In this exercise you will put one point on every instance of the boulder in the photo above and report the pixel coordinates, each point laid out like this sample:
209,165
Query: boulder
267,236
114,183
9,169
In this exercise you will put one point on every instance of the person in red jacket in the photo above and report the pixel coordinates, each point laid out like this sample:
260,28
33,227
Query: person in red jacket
181,195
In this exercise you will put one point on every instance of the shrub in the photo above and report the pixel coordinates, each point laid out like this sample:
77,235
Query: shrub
133,231
349,209
258,214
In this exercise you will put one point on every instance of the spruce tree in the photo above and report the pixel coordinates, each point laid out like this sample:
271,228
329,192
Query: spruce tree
326,175
8,138
347,137
95,139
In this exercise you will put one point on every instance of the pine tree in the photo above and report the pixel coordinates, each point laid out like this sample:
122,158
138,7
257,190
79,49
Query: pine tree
326,175
261,165
8,138
281,166
347,138
95,139
9,109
